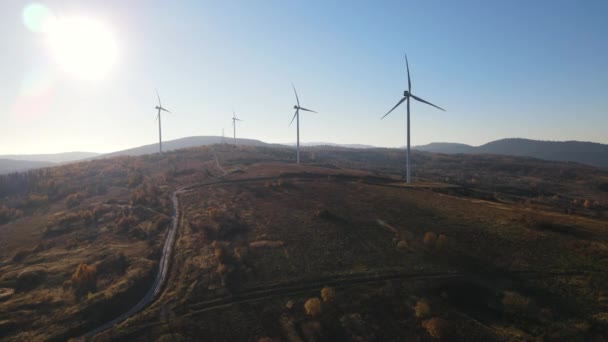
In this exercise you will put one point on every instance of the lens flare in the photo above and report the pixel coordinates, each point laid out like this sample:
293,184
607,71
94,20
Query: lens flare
36,17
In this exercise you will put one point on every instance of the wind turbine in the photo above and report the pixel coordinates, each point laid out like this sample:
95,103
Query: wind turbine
296,115
406,97
160,138
234,120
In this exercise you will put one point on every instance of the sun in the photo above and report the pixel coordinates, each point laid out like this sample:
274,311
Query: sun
82,47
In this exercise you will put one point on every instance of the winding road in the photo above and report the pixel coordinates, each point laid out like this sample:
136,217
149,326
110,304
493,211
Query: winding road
165,259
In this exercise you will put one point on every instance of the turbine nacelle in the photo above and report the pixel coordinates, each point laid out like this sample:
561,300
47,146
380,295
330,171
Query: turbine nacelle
295,107
406,93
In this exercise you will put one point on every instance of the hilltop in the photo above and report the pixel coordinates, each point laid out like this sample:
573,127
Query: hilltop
573,151
181,143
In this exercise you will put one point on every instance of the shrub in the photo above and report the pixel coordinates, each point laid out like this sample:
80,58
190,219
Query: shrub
36,200
126,222
515,303
422,309
73,199
116,264
429,239
442,241
402,244
8,214
312,307
84,279
30,278
87,216
328,294
436,327
222,269
587,204
21,254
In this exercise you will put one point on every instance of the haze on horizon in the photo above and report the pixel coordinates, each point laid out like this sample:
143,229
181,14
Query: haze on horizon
502,69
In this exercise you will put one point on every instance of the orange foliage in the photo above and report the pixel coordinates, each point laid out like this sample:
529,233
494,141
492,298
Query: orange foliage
84,279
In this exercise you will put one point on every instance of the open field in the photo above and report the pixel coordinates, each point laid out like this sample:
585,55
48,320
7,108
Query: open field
480,248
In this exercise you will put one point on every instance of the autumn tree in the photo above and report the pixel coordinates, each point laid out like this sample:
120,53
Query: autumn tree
84,279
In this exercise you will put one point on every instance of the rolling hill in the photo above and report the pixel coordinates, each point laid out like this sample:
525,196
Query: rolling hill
10,165
571,151
64,157
182,143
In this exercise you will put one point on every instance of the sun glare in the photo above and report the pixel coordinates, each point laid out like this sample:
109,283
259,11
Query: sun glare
81,46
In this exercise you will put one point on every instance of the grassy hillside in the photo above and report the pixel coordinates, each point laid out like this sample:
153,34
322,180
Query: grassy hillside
481,248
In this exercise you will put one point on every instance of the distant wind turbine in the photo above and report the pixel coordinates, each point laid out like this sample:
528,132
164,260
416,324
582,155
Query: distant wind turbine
406,97
234,120
296,116
160,137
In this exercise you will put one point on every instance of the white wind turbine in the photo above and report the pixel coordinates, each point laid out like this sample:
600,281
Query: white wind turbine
160,108
296,116
234,120
406,97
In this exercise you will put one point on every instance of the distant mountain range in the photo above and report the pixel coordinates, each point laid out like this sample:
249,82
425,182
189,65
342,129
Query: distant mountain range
335,145
22,162
572,151
51,158
10,165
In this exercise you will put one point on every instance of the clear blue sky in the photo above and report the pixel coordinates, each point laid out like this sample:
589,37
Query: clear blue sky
533,69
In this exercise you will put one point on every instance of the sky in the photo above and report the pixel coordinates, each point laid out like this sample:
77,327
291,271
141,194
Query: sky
530,69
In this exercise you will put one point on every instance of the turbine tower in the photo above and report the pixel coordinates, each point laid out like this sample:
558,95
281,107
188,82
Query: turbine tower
234,120
406,97
296,115
160,137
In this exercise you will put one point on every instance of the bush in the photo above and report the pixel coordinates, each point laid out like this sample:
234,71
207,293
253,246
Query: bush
436,327
328,294
30,278
429,239
422,309
116,264
515,303
8,214
402,244
442,241
21,254
74,199
84,279
312,307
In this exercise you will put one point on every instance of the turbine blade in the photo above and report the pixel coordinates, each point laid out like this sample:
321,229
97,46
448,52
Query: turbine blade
423,101
295,92
294,117
166,110
157,95
409,81
308,110
397,105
